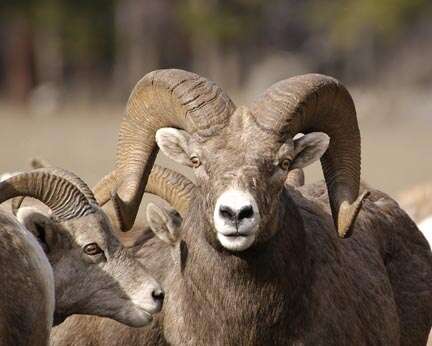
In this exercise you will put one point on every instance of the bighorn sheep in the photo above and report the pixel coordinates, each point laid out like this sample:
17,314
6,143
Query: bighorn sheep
140,231
417,201
426,227
67,263
260,264
5,176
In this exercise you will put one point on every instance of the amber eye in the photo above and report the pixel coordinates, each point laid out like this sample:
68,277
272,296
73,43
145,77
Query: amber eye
92,249
285,164
195,161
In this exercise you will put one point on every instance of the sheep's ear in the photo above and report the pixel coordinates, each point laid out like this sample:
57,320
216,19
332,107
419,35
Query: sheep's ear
164,223
174,143
309,148
40,225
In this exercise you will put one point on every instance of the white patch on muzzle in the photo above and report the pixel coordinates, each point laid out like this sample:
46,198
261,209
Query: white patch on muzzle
238,232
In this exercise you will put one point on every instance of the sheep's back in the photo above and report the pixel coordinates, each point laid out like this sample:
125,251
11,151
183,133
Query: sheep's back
27,286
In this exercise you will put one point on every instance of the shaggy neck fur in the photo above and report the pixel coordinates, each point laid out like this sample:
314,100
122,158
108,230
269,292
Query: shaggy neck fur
258,293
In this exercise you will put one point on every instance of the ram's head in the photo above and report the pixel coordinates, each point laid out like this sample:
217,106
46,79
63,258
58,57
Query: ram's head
240,156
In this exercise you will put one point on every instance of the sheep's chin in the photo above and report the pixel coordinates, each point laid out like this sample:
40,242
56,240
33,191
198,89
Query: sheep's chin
236,243
134,316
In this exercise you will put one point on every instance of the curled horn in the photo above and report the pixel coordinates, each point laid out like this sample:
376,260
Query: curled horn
35,163
64,193
169,185
162,98
295,178
314,102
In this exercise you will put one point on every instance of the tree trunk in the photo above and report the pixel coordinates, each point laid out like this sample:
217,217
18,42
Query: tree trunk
139,25
18,59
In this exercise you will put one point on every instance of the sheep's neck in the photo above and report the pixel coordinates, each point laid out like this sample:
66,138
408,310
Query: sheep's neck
260,289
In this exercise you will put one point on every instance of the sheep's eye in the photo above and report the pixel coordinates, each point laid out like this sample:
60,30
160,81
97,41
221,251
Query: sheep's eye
92,249
285,164
195,161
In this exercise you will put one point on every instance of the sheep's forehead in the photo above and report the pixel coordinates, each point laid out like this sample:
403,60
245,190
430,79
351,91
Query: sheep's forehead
241,146
227,152
89,228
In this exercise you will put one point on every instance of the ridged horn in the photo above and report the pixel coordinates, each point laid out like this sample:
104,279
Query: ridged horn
64,193
35,163
169,185
162,98
315,102
173,187
295,178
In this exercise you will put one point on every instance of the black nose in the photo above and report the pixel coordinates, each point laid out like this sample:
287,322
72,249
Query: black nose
228,213
158,294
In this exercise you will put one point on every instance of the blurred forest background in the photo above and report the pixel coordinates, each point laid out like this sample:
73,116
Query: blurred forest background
68,66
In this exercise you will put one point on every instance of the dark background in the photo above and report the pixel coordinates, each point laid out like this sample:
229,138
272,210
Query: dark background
68,66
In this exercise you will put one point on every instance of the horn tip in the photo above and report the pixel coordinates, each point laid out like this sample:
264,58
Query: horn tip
348,214
125,219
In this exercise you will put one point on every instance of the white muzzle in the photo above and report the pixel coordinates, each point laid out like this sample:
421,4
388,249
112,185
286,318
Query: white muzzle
236,218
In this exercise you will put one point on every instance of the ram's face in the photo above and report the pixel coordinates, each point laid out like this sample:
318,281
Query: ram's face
240,174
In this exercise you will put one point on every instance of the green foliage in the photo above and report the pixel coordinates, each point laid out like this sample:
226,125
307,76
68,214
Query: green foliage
224,21
88,28
348,21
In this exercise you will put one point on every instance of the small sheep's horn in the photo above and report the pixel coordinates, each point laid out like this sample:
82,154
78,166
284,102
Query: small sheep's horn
63,192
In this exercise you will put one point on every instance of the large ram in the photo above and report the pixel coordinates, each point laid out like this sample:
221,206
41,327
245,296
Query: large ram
63,264
258,263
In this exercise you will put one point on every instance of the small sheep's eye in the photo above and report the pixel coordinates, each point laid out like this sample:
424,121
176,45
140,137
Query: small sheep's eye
195,161
92,249
285,164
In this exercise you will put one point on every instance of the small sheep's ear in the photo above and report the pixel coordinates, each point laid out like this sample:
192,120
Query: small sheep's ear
164,223
174,143
309,148
40,225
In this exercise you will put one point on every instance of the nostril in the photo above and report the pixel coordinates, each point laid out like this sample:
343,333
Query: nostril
245,212
158,294
227,212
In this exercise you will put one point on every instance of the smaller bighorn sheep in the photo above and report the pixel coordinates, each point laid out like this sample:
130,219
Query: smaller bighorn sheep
66,263
5,176
140,231
417,201
426,227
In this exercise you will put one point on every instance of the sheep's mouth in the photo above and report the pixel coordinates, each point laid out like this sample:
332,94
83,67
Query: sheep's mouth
146,313
142,318
134,315
236,241
236,234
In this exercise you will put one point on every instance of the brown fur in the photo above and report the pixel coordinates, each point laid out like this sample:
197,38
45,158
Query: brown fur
331,292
